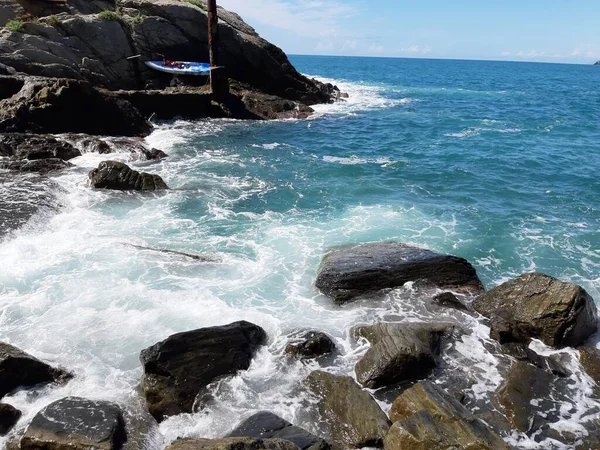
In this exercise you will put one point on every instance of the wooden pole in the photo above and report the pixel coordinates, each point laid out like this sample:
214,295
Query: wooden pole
213,23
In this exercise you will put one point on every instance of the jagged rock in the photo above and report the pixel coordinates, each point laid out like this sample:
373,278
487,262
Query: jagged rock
75,423
106,145
557,364
535,305
399,351
265,425
117,175
47,105
35,146
20,369
238,443
352,416
427,418
178,368
312,345
353,270
590,360
9,416
41,166
449,300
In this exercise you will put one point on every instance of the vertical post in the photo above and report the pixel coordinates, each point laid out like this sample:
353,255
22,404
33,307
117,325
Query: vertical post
213,22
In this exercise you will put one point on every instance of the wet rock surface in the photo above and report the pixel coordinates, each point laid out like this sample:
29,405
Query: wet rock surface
399,351
21,370
311,344
119,176
35,146
178,368
449,300
425,417
75,423
350,271
589,357
352,416
9,416
234,443
537,306
265,425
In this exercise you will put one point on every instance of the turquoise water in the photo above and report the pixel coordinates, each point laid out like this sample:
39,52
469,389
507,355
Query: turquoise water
496,162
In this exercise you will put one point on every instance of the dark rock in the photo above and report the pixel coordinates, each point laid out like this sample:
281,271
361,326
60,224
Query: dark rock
194,256
265,425
597,63
353,270
117,175
535,305
75,423
352,416
141,429
178,368
590,361
47,105
557,364
524,394
21,370
34,147
312,345
427,418
399,351
449,300
9,416
41,166
237,443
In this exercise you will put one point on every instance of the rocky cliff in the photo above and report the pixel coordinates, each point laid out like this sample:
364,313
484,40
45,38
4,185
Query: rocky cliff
92,39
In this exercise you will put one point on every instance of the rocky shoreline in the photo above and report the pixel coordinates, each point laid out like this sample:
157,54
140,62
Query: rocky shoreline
404,359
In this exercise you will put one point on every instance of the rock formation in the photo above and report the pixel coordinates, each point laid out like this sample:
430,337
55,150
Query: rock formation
311,344
117,175
238,443
9,416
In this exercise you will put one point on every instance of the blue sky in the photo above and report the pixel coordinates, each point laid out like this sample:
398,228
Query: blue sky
523,30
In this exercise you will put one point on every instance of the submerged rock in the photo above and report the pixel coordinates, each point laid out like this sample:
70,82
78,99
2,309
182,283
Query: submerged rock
119,176
427,418
178,368
47,105
352,416
75,423
21,370
265,425
234,443
352,270
313,344
9,416
399,351
535,305
449,300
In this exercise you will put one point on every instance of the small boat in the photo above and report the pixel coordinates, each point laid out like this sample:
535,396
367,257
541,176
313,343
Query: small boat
180,67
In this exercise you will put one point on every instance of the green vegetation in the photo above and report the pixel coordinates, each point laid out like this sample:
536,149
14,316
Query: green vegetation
110,15
197,3
53,20
137,18
16,26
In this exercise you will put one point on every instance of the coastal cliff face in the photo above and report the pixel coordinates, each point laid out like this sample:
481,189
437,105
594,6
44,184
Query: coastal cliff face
91,40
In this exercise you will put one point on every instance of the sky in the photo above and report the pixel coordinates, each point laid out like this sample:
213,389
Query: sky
566,31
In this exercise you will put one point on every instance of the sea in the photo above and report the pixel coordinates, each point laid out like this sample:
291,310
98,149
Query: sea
496,162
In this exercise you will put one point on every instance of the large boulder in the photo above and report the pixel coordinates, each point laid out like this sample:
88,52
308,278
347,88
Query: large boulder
350,271
234,443
119,176
427,418
36,146
266,425
353,417
75,423
538,306
79,43
177,369
47,105
312,344
9,416
399,351
21,370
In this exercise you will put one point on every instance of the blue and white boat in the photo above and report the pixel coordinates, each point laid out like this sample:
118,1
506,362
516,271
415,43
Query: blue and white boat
180,67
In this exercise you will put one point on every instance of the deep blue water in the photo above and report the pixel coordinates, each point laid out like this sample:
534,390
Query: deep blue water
493,161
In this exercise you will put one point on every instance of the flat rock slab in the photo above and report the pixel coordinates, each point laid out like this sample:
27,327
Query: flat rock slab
399,351
538,306
233,443
178,368
119,176
428,418
75,423
9,416
268,425
353,417
21,370
354,270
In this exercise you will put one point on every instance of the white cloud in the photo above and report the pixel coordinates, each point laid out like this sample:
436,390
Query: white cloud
374,48
324,46
349,45
505,54
415,49
308,18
